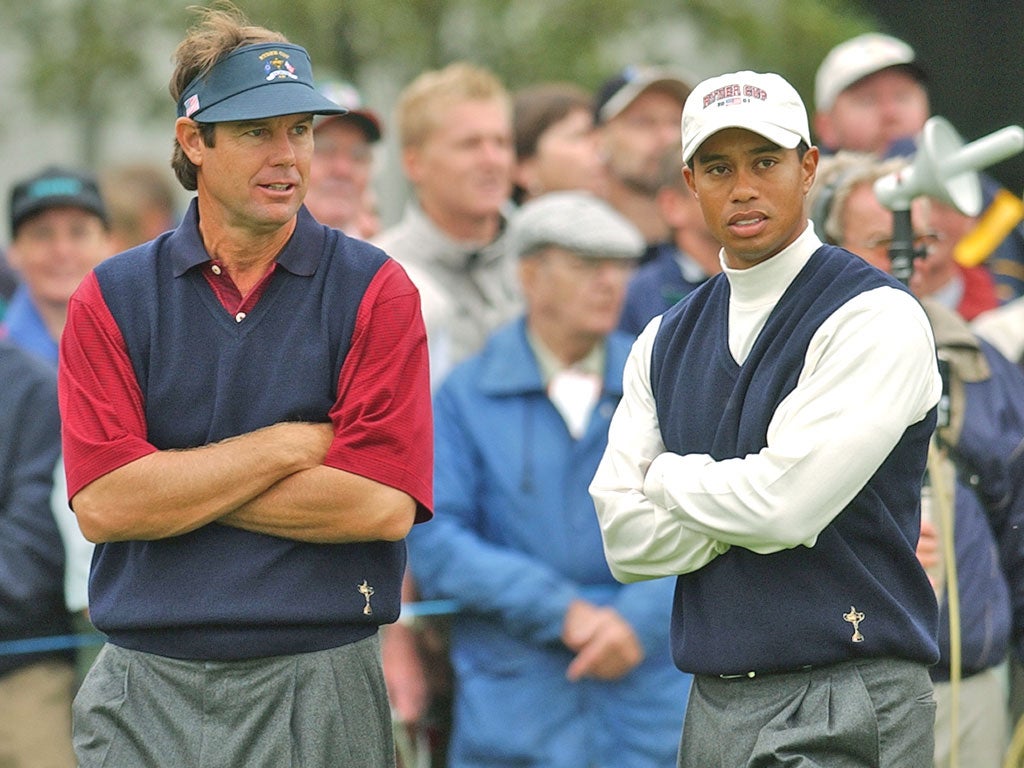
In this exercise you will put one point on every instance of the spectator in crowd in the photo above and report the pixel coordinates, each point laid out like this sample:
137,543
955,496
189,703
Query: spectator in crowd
62,228
1003,328
637,112
688,259
36,686
976,465
555,663
455,131
246,422
936,273
339,192
60,231
141,202
555,141
871,96
967,290
801,608
340,195
8,282
869,92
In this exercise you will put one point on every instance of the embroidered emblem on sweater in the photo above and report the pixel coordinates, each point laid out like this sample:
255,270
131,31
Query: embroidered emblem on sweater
855,617
366,591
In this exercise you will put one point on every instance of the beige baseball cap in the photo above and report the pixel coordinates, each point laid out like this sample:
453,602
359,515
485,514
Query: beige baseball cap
856,59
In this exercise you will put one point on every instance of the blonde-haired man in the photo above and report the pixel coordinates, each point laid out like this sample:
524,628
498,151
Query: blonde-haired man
455,130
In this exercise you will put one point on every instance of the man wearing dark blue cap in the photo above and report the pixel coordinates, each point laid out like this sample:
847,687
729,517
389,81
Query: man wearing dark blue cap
248,441
59,231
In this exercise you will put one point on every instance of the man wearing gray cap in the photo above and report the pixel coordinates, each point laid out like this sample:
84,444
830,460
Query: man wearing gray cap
768,451
555,663
247,438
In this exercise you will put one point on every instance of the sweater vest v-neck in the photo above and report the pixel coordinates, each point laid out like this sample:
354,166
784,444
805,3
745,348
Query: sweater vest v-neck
748,612
205,377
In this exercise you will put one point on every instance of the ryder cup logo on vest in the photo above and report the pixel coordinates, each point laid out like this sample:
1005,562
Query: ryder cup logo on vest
275,64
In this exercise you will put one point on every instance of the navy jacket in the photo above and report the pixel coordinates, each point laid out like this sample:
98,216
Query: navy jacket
31,553
988,452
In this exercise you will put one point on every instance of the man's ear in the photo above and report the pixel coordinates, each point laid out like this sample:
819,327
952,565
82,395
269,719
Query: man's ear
13,255
411,164
688,176
810,167
186,131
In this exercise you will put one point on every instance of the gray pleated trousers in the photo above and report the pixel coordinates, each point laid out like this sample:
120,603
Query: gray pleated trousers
875,713
315,710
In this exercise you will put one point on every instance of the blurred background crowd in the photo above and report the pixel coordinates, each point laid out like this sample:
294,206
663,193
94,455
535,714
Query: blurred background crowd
482,134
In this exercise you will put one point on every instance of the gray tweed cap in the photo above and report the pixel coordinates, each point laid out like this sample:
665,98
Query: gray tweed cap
576,221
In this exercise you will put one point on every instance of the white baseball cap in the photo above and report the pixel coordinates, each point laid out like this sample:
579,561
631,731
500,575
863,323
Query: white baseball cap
763,103
854,60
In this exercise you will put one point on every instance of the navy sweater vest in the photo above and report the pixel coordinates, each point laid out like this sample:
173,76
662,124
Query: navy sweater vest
748,612
220,592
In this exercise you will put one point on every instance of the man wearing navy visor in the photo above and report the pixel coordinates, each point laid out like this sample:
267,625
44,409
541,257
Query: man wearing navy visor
247,435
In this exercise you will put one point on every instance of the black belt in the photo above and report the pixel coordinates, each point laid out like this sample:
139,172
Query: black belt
754,674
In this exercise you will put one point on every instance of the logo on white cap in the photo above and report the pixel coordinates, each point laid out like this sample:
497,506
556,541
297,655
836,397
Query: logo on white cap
763,103
734,94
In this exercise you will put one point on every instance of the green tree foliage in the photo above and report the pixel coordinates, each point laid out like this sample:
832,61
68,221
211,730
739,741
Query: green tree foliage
85,60
790,37
522,41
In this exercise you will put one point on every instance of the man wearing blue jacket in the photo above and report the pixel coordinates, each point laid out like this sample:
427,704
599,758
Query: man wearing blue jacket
556,663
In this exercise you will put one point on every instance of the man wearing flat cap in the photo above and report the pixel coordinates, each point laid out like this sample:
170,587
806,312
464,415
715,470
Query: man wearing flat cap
555,663
768,451
247,438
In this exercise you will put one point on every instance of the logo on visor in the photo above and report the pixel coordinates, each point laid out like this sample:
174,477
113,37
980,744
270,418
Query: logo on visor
276,65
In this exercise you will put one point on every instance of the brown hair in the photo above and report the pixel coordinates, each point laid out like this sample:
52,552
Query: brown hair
218,31
535,109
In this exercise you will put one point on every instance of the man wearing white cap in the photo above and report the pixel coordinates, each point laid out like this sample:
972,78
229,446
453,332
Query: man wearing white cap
871,95
247,438
556,664
869,92
768,451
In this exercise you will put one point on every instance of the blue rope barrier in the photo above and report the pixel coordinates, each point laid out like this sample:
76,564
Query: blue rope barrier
46,644
428,608
66,642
